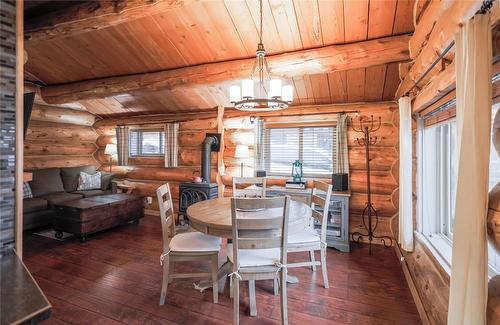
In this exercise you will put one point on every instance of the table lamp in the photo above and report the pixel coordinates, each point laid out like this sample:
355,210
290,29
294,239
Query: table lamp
241,152
111,151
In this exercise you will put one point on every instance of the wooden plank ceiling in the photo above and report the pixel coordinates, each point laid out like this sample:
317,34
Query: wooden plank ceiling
200,32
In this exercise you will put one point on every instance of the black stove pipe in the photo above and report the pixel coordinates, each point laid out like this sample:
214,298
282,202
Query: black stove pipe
208,144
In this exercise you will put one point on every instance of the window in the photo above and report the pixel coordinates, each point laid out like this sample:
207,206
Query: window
437,181
146,142
313,146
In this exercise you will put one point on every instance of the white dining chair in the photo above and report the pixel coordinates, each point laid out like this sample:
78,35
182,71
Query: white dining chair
188,246
308,240
258,250
249,187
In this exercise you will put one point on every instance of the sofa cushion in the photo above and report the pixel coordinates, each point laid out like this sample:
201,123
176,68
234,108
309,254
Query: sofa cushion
89,193
106,180
70,176
46,181
56,198
34,204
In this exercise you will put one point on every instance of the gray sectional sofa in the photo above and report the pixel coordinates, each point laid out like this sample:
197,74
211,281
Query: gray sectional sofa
55,185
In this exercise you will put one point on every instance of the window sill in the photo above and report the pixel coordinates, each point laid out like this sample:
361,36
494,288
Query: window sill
440,247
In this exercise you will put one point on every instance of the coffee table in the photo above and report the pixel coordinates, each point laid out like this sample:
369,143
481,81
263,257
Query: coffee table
83,217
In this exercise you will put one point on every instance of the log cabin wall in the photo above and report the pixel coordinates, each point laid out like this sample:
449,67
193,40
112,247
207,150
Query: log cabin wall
59,137
148,173
384,159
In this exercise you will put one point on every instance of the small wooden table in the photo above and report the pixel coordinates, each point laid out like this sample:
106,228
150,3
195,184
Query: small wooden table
213,217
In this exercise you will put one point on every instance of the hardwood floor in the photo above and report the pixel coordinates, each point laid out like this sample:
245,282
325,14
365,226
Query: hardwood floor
115,278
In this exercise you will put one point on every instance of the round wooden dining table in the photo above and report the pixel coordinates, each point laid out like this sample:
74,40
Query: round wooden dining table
213,217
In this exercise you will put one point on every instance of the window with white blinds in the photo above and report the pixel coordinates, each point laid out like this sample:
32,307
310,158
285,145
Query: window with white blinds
313,146
146,142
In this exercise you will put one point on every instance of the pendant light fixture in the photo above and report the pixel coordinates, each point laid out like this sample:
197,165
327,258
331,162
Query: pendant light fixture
275,96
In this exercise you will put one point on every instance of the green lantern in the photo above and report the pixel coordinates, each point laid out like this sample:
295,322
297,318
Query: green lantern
297,171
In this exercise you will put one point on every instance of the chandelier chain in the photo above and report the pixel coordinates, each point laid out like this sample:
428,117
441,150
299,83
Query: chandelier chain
260,35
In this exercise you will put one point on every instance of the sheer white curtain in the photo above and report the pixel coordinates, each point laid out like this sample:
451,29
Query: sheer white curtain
405,175
468,282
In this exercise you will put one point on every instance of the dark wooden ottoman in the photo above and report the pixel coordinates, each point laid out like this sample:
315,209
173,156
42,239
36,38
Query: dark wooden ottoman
89,215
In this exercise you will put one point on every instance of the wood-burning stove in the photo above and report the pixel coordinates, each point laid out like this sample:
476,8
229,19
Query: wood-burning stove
189,192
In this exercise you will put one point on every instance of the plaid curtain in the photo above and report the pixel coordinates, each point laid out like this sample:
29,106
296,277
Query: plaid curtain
122,147
342,157
171,144
258,148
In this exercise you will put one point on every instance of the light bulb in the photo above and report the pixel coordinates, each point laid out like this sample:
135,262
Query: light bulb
234,94
275,88
247,88
287,94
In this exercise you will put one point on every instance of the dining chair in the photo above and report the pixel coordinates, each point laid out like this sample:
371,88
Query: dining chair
257,190
258,250
308,240
188,246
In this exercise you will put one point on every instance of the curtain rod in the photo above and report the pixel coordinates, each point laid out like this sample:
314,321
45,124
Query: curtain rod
485,7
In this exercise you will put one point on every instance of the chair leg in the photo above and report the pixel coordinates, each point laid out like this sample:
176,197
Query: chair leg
215,280
170,279
276,285
323,267
313,259
236,301
251,294
284,302
164,282
231,287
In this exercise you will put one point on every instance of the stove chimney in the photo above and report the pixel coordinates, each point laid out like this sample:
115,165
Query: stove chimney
211,143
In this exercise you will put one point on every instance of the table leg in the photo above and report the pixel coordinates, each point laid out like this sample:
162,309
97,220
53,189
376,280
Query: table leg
224,270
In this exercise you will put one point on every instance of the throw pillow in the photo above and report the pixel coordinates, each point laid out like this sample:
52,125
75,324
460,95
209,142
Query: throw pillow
27,194
89,182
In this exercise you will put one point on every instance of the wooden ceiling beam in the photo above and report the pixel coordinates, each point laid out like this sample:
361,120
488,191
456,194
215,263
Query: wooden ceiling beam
441,36
318,109
93,15
319,60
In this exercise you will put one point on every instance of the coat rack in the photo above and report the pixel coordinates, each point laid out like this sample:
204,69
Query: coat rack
366,128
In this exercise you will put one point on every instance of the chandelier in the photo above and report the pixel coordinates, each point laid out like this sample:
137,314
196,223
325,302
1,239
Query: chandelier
261,98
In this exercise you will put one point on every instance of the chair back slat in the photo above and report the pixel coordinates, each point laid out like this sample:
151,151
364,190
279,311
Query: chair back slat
254,229
164,196
322,186
320,199
259,243
317,200
317,215
240,184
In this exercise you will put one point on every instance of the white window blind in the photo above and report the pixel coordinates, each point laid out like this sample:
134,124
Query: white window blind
313,146
146,143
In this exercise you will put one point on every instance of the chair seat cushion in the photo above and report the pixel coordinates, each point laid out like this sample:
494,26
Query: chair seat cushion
306,236
34,204
255,257
194,242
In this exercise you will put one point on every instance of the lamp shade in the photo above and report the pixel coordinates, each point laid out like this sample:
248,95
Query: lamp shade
241,151
110,149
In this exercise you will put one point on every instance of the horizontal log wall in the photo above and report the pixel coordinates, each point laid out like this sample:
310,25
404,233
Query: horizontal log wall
59,137
148,173
384,161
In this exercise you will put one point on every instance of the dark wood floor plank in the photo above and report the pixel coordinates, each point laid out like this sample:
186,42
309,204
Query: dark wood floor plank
115,278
